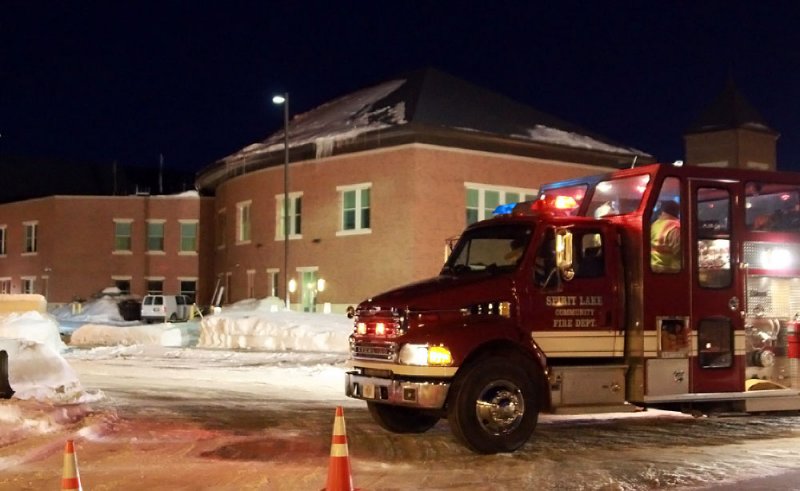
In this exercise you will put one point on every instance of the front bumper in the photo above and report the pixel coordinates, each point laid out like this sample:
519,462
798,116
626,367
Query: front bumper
423,395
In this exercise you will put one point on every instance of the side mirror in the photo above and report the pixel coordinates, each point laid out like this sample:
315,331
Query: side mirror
351,312
564,260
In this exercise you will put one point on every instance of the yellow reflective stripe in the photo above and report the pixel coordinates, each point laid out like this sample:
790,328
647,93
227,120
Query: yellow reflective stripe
339,450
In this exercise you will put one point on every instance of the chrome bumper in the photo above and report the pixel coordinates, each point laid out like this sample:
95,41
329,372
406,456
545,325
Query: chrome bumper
424,395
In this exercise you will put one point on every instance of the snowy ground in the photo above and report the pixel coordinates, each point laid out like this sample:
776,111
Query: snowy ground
244,400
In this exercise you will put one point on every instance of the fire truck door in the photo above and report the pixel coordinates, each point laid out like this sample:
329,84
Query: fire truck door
578,318
716,288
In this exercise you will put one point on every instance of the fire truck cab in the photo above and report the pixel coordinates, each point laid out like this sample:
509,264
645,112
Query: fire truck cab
658,286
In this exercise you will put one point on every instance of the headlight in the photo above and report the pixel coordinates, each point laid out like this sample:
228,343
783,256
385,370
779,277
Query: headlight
424,355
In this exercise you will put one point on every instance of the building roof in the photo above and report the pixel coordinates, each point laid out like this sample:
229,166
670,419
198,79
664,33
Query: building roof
414,108
28,178
729,111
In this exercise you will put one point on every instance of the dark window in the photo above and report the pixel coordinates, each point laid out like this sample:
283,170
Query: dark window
589,259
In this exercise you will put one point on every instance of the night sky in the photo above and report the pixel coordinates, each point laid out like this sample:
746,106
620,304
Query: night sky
126,81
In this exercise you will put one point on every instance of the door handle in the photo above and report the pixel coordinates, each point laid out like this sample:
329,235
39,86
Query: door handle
733,303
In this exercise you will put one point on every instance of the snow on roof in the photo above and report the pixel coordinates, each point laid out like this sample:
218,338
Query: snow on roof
555,136
340,119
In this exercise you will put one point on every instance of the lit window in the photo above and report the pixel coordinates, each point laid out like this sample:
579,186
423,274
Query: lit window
482,200
188,235
243,222
355,217
31,230
155,236
122,235
28,285
295,216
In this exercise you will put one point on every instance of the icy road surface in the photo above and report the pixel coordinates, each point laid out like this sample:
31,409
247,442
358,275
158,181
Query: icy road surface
200,419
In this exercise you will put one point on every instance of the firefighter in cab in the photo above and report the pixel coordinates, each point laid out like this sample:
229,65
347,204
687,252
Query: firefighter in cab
665,239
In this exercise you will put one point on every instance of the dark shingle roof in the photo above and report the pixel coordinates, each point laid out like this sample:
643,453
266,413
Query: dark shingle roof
427,106
730,110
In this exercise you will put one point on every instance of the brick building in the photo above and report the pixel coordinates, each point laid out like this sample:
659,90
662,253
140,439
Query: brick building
378,181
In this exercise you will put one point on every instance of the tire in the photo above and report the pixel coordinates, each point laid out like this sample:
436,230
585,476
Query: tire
173,318
400,419
493,406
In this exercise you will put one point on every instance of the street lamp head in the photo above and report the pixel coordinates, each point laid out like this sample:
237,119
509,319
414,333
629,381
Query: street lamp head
278,99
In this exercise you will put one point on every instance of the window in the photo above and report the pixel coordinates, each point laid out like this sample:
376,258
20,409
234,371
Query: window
189,288
123,284
666,254
589,260
155,236
28,284
295,213
5,285
243,222
31,229
772,207
188,235
219,232
713,232
482,200
155,286
122,235
618,196
715,342
272,282
251,283
355,209
494,249
2,240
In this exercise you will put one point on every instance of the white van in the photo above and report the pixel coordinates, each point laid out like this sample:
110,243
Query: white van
163,308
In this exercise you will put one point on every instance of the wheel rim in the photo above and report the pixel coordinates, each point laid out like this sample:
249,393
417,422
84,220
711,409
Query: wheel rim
500,407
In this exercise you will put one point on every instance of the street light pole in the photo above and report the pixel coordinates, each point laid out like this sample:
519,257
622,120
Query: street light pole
284,99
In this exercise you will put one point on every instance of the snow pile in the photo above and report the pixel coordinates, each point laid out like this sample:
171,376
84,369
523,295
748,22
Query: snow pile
31,326
169,335
36,371
103,310
262,325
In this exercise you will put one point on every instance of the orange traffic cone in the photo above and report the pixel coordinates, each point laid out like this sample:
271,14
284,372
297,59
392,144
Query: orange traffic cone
339,477
70,480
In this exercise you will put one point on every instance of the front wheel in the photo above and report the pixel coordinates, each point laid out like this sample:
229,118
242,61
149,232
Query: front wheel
399,419
494,406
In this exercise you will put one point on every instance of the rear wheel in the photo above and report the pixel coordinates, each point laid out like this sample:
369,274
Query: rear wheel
173,318
493,407
400,419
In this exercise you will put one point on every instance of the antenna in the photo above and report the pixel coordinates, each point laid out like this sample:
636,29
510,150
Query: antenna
161,173
633,164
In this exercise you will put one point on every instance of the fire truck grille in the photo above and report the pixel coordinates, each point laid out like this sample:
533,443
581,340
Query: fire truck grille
364,350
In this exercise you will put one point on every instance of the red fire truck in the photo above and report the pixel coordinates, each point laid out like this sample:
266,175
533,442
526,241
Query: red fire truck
583,301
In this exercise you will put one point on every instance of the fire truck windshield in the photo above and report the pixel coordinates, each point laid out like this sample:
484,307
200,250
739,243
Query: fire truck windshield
497,248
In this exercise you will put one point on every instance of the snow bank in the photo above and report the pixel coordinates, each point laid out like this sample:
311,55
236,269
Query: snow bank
22,302
103,310
31,326
36,371
169,335
260,325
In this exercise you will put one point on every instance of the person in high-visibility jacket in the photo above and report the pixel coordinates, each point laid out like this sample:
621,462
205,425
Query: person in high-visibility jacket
665,239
